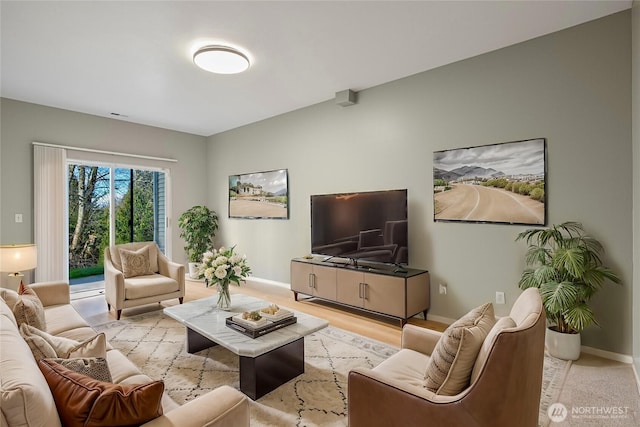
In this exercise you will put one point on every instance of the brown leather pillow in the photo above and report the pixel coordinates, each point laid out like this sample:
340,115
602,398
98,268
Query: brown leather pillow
84,402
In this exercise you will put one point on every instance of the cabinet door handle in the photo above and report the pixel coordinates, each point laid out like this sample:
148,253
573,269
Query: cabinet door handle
312,279
362,290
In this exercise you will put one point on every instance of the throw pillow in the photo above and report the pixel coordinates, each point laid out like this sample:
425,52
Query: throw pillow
65,347
39,347
28,309
83,401
135,263
62,346
94,367
502,324
92,347
454,355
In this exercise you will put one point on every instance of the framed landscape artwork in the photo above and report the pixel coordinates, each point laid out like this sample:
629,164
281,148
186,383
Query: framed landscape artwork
259,195
500,183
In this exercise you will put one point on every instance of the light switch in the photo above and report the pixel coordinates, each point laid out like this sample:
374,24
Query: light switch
18,217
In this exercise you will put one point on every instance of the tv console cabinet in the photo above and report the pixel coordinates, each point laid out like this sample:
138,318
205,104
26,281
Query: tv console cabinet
386,290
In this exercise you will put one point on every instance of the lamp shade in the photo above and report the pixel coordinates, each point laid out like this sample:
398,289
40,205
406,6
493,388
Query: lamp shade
17,258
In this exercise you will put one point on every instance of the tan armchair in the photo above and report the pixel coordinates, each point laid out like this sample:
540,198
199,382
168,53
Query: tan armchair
504,389
162,279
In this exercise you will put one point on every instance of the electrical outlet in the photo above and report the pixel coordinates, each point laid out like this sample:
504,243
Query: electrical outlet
499,297
443,288
18,217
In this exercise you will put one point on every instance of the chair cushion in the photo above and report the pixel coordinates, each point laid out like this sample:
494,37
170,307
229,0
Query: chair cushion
122,368
135,263
83,401
94,367
151,285
406,366
62,318
454,355
28,309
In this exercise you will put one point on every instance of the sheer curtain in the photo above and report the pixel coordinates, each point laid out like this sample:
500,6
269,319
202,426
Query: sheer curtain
50,212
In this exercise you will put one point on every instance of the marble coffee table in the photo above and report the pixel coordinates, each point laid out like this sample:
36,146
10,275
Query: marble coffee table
266,362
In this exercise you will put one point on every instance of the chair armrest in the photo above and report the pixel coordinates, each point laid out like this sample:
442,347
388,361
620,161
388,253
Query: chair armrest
171,269
113,284
52,293
224,406
419,339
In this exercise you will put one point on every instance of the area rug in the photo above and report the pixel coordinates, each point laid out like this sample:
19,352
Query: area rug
553,377
155,343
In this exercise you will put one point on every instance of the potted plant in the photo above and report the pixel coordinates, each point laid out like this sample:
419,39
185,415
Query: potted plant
198,226
565,265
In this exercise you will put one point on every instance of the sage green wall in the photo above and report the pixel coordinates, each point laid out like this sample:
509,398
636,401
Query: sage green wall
636,181
22,123
572,87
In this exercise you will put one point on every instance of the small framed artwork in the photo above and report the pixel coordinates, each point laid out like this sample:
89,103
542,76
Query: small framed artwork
500,183
259,195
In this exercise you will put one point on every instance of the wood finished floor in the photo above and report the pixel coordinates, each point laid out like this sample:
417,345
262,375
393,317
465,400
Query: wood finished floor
94,310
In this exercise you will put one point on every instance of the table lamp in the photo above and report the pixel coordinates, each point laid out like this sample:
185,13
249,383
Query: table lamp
17,258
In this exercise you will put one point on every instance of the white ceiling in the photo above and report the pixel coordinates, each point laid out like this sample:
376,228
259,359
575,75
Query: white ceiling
134,58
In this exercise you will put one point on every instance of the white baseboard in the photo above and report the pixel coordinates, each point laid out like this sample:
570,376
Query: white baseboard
440,319
269,282
636,370
624,358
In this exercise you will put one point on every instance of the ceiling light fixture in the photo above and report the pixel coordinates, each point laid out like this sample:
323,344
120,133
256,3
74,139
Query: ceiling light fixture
221,59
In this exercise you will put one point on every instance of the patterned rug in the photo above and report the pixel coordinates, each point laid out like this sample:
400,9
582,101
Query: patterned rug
553,377
155,343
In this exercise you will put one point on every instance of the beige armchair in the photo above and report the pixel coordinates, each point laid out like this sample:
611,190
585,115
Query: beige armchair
137,274
504,388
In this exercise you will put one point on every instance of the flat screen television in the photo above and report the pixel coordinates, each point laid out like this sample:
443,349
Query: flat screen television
369,226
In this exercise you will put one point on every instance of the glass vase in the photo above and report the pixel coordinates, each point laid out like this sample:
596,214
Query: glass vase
224,297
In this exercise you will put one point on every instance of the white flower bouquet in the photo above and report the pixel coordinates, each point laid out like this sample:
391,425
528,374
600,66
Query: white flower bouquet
222,267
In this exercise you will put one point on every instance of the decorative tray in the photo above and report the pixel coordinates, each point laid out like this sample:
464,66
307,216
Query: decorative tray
279,315
255,332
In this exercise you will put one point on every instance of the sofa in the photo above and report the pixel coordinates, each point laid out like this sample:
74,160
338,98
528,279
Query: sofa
25,397
501,386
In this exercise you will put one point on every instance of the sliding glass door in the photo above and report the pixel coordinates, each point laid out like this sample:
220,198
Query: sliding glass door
111,205
88,218
140,207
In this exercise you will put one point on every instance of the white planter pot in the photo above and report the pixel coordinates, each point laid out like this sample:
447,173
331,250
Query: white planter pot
193,269
563,346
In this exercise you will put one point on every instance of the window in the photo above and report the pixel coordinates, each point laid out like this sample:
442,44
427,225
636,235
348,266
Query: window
109,205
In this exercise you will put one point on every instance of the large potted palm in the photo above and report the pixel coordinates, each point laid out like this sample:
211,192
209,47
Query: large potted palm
198,227
564,264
